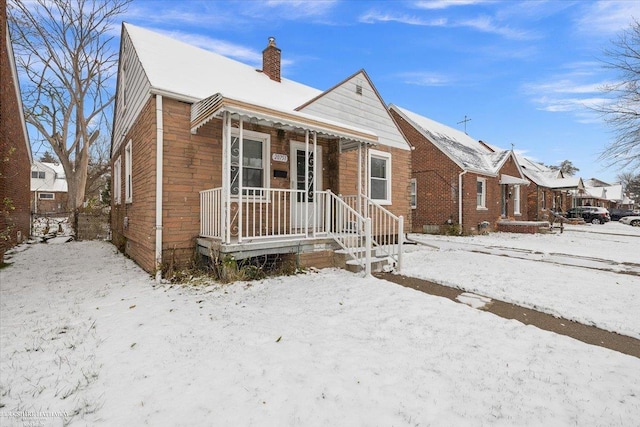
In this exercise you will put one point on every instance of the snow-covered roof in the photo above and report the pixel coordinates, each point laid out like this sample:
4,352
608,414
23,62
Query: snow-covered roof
192,72
612,193
544,176
467,152
55,179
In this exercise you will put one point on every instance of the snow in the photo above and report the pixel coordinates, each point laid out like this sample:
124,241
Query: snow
86,333
575,275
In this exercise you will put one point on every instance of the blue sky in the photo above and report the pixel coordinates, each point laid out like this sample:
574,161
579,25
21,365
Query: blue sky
524,73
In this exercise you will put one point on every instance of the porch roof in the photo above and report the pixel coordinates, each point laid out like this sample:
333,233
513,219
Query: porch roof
209,108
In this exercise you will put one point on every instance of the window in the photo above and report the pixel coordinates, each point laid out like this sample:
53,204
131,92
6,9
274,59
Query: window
46,196
37,174
128,185
516,200
544,199
481,198
255,164
117,181
414,191
380,176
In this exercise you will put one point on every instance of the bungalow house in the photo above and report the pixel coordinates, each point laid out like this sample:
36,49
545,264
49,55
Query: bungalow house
15,150
49,192
604,195
550,190
215,156
457,179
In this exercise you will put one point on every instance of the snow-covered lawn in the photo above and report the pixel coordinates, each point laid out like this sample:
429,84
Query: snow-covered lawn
571,275
84,331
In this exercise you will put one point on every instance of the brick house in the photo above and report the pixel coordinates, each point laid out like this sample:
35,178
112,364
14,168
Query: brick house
458,180
15,150
317,171
49,191
549,191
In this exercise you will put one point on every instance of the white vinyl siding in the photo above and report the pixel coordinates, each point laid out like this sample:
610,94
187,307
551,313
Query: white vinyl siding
481,193
380,177
117,181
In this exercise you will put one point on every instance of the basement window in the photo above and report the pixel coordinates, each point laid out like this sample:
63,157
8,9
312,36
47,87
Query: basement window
46,196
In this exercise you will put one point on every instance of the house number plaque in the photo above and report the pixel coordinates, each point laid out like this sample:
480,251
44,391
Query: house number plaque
279,157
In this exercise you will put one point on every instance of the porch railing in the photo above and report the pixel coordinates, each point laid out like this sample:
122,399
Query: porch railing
358,224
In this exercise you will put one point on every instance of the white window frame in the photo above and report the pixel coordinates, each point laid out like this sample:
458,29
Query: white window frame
483,199
38,175
516,199
128,177
53,196
265,138
413,193
117,181
386,157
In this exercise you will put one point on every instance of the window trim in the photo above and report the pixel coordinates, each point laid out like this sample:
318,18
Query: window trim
413,193
516,200
53,196
386,157
483,195
265,138
38,173
117,181
128,174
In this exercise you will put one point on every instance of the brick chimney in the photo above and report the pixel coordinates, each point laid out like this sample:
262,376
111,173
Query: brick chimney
271,60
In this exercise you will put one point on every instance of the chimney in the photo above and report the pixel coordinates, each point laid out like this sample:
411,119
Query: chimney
271,60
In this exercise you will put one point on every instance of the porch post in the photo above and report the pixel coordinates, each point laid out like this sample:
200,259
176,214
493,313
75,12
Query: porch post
366,181
306,183
226,178
359,195
240,174
315,171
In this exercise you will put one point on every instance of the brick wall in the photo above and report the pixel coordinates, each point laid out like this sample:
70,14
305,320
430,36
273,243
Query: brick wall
15,161
48,206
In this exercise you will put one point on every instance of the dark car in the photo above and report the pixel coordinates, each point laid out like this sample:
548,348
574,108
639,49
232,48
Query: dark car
616,214
592,214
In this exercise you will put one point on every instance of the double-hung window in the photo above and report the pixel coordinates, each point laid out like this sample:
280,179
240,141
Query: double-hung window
128,184
38,174
117,181
380,177
481,193
516,200
414,193
255,162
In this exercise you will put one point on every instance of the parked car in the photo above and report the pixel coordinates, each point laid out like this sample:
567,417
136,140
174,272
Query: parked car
616,214
592,214
631,220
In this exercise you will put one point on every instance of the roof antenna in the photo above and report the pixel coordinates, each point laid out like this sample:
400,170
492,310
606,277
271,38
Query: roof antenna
466,119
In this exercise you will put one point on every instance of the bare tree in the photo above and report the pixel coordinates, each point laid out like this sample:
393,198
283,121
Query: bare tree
566,167
623,113
67,64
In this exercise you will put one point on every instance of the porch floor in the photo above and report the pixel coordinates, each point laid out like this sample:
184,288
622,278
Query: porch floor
266,246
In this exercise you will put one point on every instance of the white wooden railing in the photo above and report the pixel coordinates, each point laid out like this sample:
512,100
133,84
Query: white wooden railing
358,224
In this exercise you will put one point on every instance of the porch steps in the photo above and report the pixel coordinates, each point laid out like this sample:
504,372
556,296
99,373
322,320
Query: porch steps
343,259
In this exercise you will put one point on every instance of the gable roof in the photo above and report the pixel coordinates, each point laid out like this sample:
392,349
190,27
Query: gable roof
55,179
468,153
544,176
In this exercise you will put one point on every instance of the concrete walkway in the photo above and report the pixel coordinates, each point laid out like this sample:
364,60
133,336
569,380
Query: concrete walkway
584,333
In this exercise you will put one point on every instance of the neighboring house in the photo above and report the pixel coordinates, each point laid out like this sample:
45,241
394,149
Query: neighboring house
606,196
550,191
49,192
457,179
15,150
311,168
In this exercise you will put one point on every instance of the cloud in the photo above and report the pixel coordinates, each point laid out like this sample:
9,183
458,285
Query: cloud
607,17
444,4
424,78
373,17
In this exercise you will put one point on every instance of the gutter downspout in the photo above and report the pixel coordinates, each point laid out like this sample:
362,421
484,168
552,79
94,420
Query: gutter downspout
460,199
159,177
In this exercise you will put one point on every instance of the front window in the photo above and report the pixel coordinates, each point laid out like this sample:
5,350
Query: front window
544,199
516,200
414,193
380,176
117,182
37,174
255,155
481,193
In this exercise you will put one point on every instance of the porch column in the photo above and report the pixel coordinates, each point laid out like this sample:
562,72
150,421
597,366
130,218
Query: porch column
315,171
359,195
226,178
240,162
306,183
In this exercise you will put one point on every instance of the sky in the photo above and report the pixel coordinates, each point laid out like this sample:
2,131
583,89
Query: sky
520,73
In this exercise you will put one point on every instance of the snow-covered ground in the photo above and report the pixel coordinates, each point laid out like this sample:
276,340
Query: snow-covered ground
575,275
85,333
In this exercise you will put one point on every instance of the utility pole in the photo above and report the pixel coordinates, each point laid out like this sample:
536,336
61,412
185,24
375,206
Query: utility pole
466,119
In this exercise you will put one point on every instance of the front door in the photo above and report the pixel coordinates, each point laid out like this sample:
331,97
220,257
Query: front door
301,215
